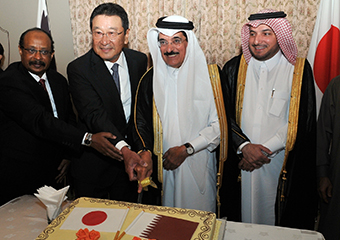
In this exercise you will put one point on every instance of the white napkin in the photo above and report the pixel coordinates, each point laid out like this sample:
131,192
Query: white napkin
52,199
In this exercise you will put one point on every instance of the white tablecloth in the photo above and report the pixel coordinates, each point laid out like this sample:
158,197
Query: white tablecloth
244,231
24,218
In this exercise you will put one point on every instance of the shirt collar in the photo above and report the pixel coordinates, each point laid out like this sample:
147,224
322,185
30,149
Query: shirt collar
37,78
270,63
173,72
121,62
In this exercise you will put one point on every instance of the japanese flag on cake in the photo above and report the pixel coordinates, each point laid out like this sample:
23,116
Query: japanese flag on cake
324,49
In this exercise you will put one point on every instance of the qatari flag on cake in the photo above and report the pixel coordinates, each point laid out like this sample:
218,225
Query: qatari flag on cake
155,226
43,23
324,49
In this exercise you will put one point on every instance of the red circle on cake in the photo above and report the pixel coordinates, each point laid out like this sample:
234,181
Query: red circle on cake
94,218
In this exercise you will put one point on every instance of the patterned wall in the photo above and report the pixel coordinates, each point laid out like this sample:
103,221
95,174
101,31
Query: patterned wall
217,23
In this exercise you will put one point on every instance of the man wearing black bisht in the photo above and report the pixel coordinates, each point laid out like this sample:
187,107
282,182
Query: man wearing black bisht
272,99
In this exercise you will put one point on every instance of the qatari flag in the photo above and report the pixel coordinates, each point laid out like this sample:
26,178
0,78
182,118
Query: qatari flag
43,23
324,49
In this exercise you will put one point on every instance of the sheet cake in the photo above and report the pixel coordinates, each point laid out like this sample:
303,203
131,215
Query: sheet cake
144,221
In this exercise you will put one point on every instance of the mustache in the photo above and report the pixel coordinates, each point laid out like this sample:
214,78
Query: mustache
37,62
259,45
171,53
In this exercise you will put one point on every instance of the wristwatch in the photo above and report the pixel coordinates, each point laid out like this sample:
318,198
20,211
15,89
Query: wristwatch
88,139
190,149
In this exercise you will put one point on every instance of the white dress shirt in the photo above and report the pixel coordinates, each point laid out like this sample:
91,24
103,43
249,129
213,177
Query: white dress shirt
49,91
125,89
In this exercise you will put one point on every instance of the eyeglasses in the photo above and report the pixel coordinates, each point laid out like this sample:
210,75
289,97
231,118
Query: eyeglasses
33,51
110,35
176,42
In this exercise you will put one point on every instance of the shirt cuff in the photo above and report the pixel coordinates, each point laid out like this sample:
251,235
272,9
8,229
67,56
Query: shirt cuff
122,144
239,149
274,144
199,143
83,141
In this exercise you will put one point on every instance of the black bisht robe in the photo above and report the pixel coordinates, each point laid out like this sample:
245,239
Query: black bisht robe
300,208
143,138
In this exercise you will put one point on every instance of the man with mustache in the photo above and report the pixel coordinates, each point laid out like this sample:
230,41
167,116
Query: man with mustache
103,84
272,99
36,116
184,106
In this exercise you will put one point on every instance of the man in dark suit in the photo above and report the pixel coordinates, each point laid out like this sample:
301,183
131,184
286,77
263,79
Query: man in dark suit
35,121
106,104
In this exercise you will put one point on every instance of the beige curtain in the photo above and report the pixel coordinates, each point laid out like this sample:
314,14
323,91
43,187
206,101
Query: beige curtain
217,23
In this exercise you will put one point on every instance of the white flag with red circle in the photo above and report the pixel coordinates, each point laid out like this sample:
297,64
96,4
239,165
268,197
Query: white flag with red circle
324,49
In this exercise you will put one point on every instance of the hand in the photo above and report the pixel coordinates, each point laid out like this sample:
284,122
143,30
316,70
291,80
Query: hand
101,143
131,160
245,165
174,157
63,167
144,172
254,154
325,188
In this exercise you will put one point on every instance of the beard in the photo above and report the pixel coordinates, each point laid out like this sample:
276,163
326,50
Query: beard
266,55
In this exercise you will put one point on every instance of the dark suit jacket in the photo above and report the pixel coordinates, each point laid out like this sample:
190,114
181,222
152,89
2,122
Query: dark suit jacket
99,107
33,142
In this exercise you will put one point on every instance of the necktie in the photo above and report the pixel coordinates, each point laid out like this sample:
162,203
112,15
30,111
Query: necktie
115,76
42,83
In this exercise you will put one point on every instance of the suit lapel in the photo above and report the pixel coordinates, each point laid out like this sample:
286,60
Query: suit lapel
104,84
38,92
133,72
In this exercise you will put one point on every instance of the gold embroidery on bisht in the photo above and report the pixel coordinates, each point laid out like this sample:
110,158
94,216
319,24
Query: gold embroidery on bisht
158,140
293,119
222,118
241,84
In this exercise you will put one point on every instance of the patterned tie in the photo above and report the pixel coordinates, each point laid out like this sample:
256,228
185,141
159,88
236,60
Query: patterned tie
42,83
115,76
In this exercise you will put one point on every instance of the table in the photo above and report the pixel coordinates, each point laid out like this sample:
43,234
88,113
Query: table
22,218
245,231
25,218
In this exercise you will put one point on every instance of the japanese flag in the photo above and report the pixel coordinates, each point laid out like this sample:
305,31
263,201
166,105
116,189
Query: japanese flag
324,50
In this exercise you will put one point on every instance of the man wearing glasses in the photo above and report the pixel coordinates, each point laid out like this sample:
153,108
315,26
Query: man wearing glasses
36,115
103,83
184,106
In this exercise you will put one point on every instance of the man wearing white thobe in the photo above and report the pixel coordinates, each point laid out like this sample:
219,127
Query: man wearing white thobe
265,121
180,85
260,85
